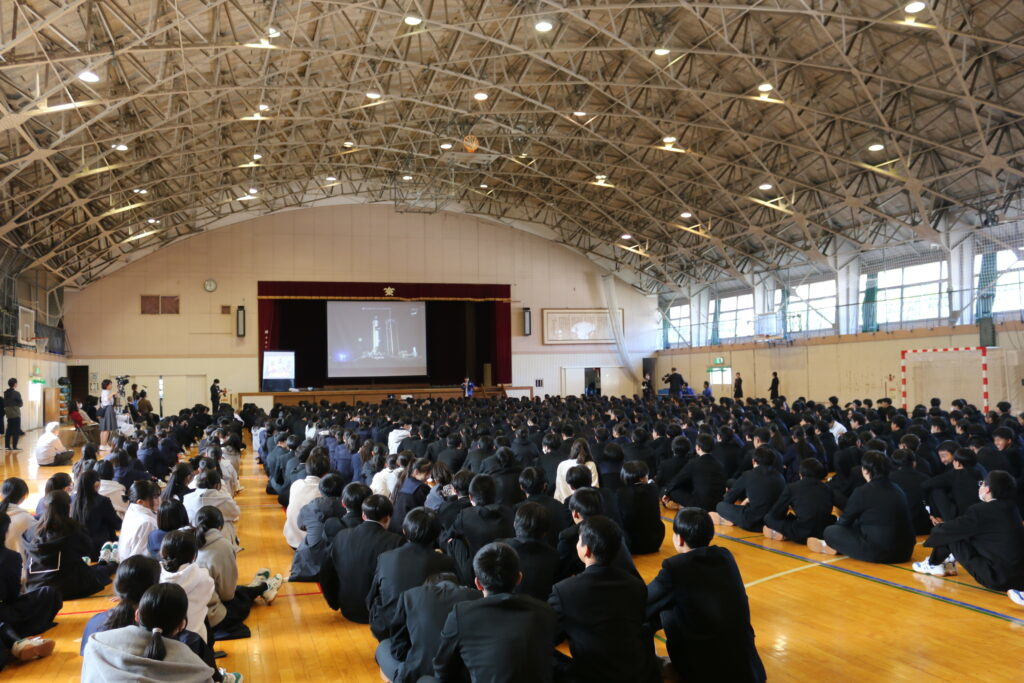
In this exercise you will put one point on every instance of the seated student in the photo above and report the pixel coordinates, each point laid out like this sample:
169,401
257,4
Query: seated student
1003,439
302,492
295,469
875,524
911,481
97,516
209,491
49,450
476,526
284,445
419,617
699,599
501,637
54,549
170,516
531,481
379,483
609,464
761,487
988,539
580,477
352,498
601,612
641,512
579,455
405,567
152,459
127,468
139,521
178,553
61,481
179,482
148,651
410,492
537,558
584,504
111,489
314,519
14,492
351,563
677,457
504,467
28,613
231,603
442,489
951,493
701,481
811,501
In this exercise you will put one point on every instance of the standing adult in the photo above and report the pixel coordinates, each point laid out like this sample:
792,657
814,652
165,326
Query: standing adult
215,394
108,418
647,387
675,383
467,387
737,387
12,411
773,390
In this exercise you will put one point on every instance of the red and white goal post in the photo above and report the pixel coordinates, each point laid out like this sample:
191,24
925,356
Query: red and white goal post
982,350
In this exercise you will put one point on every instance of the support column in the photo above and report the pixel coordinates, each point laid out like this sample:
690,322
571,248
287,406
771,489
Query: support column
961,278
848,293
699,318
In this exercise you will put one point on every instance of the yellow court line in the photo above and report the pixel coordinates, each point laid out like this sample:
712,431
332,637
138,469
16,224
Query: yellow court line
792,571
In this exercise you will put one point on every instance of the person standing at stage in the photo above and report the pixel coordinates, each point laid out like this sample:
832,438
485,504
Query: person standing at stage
12,411
675,383
215,393
773,390
737,387
467,387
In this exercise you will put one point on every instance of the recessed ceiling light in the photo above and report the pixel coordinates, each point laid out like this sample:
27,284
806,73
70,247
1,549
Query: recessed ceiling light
120,147
140,190
347,143
543,26
600,176
407,177
273,32
669,139
152,221
765,186
253,190
765,87
257,156
412,20
89,76
686,214
330,178
626,237
579,113
483,186
661,52
446,145
479,96
877,147
264,107
522,155
373,95
914,7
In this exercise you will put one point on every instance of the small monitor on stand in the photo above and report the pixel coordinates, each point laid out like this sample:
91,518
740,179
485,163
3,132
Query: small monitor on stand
278,370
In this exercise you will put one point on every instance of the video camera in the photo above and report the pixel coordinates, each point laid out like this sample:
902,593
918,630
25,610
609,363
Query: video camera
122,382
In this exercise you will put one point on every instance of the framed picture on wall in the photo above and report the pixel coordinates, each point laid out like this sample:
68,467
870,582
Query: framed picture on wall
579,326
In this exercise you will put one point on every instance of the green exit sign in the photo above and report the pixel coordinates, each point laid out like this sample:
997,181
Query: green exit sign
719,361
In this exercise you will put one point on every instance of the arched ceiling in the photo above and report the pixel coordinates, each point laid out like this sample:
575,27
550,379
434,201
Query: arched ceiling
880,128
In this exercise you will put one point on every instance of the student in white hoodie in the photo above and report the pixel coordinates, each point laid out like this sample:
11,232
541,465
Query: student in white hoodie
228,472
147,652
178,553
139,521
209,492
217,555
110,488
301,492
14,492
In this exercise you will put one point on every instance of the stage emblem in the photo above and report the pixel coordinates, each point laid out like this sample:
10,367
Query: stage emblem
389,291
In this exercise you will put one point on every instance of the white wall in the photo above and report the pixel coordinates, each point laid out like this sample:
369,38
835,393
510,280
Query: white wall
22,365
349,243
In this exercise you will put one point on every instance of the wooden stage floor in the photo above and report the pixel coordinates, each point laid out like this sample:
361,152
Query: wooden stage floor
816,617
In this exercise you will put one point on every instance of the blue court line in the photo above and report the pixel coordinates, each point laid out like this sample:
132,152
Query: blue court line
875,579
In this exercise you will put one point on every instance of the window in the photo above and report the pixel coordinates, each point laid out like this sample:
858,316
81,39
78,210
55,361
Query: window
1009,286
678,332
811,306
719,376
736,316
910,293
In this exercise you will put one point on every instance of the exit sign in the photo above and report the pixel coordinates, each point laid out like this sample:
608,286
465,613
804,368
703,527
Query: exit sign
719,361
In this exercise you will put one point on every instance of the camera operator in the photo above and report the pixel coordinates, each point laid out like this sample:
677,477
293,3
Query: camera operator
675,383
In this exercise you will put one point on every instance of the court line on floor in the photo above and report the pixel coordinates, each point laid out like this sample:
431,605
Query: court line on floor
949,580
801,568
97,611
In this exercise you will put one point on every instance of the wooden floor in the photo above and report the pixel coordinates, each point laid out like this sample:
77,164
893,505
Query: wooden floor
816,617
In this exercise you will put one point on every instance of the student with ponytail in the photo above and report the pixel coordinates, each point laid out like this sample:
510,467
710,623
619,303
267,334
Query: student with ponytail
231,603
579,454
140,519
14,492
147,651
209,491
410,491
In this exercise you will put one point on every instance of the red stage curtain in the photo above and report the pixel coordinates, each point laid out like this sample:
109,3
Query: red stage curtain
501,354
268,320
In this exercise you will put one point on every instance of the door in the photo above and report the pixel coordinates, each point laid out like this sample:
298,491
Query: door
572,382
592,381
79,376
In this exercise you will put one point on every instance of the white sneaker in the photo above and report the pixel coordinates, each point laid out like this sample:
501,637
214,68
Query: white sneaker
262,576
230,677
944,569
273,585
105,551
1016,596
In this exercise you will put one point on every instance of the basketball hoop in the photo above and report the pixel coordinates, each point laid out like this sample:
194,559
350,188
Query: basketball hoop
471,143
41,343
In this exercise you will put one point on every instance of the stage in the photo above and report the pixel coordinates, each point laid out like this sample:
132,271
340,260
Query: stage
368,394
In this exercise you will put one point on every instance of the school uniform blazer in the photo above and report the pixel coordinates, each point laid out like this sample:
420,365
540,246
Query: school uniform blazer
640,506
506,480
419,618
702,476
398,570
911,481
878,511
812,503
313,518
502,638
761,486
101,523
558,515
993,530
351,563
961,486
526,452
699,599
538,562
601,612
415,444
640,451
569,561
449,512
453,458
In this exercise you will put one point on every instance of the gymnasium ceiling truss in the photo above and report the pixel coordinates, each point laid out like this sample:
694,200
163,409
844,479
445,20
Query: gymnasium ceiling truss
727,139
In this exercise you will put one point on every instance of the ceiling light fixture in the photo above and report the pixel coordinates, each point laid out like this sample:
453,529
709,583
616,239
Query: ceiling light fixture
661,52
626,237
543,26
446,145
373,95
480,96
765,88
412,20
686,214
765,186
257,156
273,32
579,113
483,186
914,7
140,190
264,107
88,76
669,139
253,190
119,147
601,176
330,178
407,177
152,221
348,143
877,147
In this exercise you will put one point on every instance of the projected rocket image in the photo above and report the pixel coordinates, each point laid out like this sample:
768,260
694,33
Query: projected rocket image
376,339
385,341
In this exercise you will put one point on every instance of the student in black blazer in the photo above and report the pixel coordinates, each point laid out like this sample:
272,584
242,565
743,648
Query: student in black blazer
875,524
580,476
419,617
505,469
761,486
454,455
550,457
584,504
699,599
352,497
988,539
640,506
537,559
911,480
601,612
531,481
348,572
669,467
811,501
701,481
451,508
405,567
94,512
951,493
476,526
504,636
